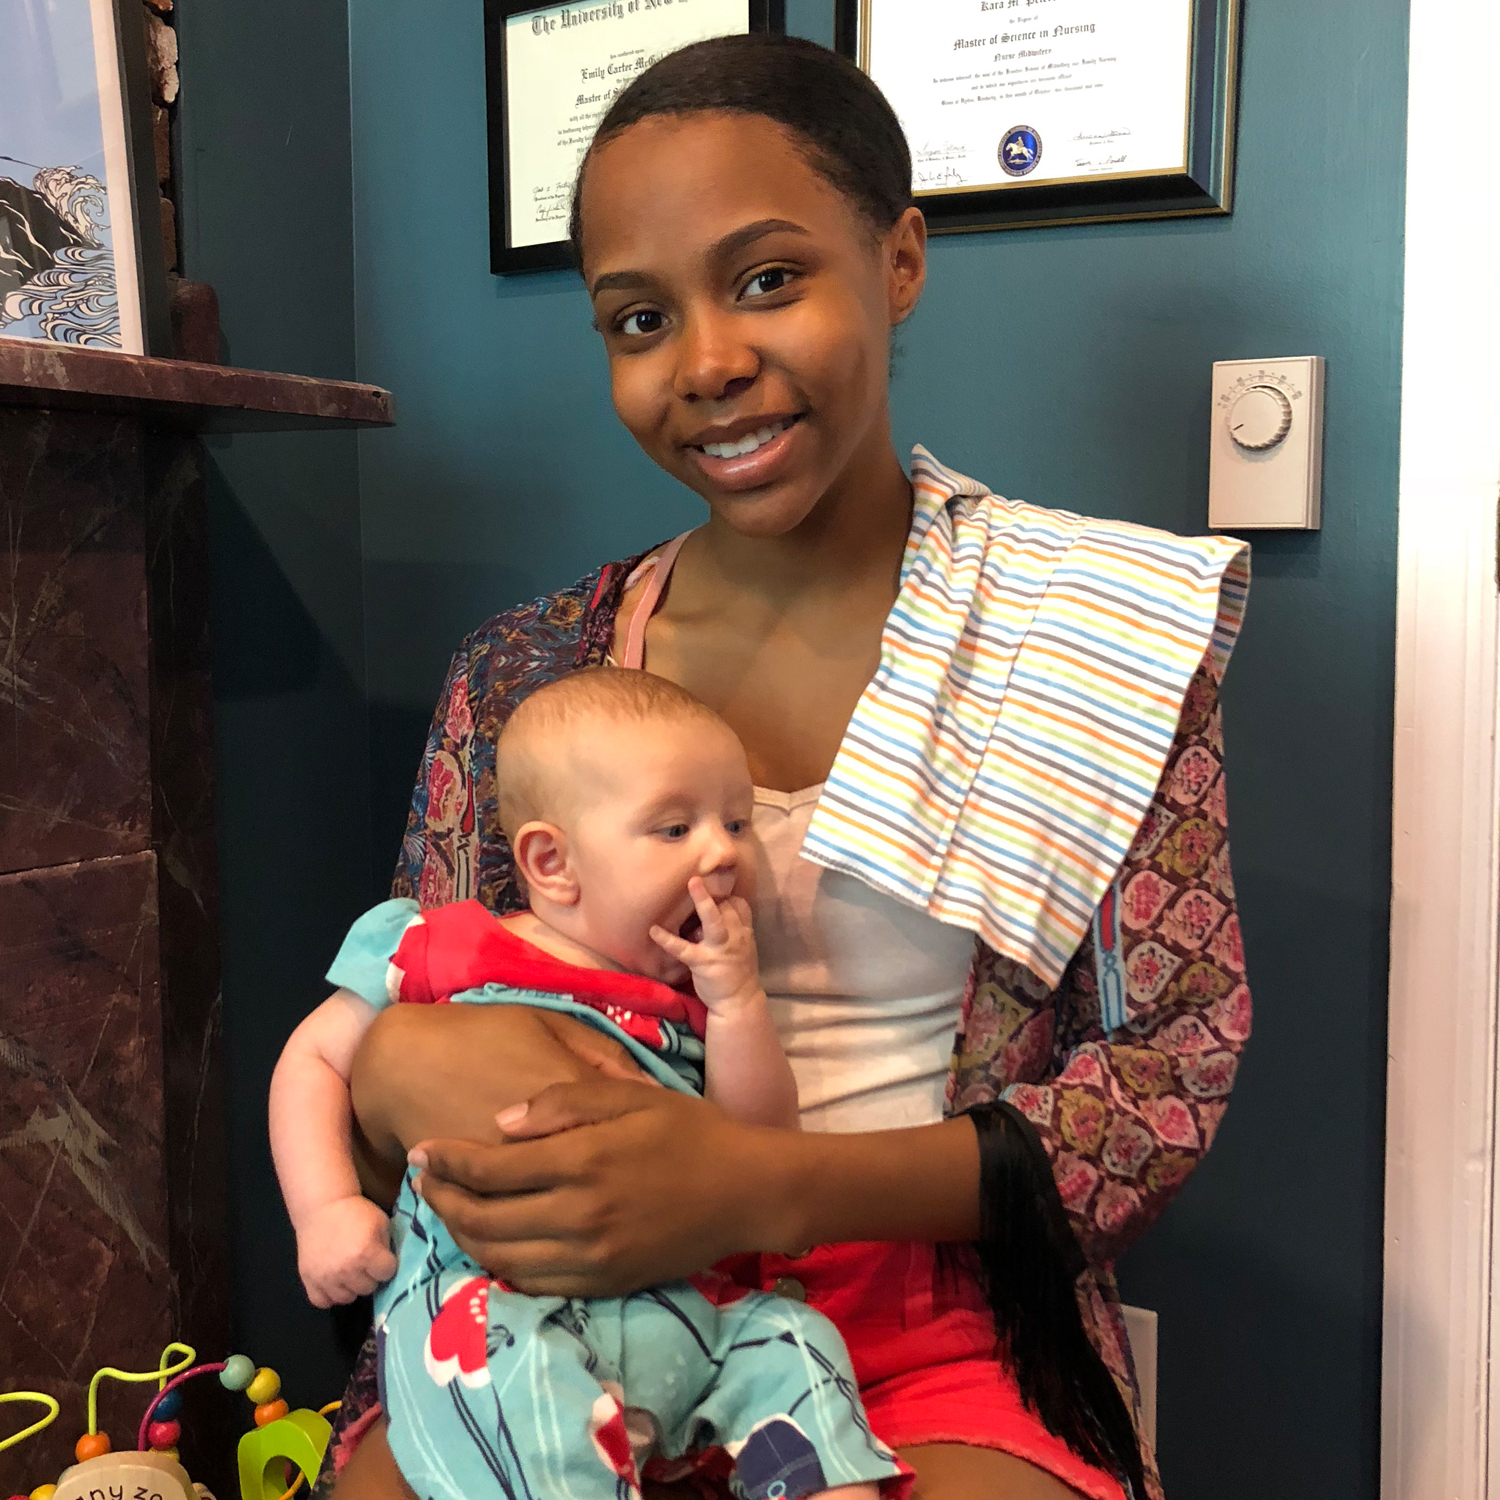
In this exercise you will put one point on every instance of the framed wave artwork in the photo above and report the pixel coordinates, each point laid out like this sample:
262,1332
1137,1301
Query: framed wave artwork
80,243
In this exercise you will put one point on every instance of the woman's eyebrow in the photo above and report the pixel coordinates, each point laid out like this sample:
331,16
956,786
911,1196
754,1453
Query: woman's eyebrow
620,281
742,239
732,243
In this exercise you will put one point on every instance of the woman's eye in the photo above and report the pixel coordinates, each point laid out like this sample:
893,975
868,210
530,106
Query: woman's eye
640,323
763,283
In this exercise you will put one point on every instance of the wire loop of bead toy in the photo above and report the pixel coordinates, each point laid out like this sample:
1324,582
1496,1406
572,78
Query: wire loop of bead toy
39,1398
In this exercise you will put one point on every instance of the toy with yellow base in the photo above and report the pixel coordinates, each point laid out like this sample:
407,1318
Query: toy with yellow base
282,1443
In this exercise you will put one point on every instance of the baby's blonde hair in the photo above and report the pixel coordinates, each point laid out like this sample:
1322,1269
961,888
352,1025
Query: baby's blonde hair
529,771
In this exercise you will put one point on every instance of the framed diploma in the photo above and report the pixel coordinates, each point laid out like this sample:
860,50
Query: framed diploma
1029,112
552,72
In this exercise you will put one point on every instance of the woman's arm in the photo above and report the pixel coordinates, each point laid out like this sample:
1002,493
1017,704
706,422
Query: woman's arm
447,1070
1146,1029
606,1188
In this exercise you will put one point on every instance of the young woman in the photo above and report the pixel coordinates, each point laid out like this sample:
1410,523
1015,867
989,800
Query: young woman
963,716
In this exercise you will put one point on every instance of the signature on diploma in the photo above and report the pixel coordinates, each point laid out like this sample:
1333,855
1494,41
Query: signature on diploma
931,152
936,164
936,176
1099,163
1100,137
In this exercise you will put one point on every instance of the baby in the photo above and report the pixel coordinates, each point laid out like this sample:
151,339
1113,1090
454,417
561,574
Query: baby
627,804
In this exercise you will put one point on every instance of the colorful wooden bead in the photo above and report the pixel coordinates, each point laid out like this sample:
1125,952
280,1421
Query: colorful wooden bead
91,1445
270,1411
237,1373
169,1406
18,1497
265,1387
163,1435
43,1492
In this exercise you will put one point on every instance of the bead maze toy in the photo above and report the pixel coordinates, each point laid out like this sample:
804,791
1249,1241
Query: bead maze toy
283,1442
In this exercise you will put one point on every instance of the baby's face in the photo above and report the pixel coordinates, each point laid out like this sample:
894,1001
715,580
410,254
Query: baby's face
654,804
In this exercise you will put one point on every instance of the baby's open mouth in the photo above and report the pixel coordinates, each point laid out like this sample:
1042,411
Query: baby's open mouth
692,929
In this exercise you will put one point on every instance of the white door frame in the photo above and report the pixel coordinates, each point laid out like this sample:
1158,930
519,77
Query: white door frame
1438,1433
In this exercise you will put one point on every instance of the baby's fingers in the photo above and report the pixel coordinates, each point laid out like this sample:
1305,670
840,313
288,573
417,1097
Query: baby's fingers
361,1283
708,911
740,909
670,942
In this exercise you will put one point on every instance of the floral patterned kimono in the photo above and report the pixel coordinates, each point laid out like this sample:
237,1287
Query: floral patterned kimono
1122,1115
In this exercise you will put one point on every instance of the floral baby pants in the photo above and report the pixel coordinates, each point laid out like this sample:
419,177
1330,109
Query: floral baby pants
490,1392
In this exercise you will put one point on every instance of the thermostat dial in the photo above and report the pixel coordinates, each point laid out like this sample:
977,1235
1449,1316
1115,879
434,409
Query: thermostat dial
1260,418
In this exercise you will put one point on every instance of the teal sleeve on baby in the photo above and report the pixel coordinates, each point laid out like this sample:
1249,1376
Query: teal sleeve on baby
365,957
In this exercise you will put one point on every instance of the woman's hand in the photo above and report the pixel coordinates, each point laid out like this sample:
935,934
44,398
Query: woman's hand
605,1188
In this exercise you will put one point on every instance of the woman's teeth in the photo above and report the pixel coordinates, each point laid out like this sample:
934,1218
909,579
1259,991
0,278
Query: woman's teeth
747,444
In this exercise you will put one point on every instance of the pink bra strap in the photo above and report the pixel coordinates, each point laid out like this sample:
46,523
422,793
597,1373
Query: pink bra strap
661,571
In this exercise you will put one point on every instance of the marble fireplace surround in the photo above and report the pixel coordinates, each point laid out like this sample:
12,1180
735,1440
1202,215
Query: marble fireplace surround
112,1199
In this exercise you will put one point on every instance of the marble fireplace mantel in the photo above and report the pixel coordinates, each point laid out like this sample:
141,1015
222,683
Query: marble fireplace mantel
180,395
112,1200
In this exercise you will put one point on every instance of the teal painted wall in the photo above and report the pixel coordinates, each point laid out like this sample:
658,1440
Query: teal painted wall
266,218
1069,367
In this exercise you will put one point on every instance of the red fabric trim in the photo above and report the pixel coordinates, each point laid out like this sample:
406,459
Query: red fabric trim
462,946
353,1435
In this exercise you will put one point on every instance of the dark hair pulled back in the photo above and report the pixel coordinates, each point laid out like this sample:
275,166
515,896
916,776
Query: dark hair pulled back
847,130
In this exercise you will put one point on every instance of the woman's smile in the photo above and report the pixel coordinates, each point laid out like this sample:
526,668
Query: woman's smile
763,453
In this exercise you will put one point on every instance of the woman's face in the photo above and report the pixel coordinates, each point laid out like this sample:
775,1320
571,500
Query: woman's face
746,307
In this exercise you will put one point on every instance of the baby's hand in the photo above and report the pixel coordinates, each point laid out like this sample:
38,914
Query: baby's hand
726,972
344,1251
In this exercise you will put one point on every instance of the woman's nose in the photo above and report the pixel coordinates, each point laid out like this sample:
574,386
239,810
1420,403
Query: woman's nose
714,363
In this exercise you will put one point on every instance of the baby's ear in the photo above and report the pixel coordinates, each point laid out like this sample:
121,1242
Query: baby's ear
541,851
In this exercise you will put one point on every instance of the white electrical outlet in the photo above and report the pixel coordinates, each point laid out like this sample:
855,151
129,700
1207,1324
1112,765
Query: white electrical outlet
1140,1329
1265,455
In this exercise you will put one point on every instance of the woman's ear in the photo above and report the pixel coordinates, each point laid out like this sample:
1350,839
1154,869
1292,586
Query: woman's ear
906,257
541,851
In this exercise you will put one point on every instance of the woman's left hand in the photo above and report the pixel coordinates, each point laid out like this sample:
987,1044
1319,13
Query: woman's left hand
606,1187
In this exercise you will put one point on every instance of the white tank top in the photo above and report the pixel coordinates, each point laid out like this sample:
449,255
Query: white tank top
866,992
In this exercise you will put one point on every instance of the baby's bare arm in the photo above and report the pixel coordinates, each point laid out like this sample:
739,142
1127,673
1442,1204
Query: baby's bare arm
747,1074
429,1071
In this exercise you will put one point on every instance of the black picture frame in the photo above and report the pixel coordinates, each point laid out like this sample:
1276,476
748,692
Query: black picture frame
507,259
1206,186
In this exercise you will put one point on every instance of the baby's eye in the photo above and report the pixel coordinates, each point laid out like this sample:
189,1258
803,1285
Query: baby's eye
675,831
640,323
736,826
763,283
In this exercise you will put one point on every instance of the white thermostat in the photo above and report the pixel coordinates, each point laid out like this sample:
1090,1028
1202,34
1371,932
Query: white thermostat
1265,455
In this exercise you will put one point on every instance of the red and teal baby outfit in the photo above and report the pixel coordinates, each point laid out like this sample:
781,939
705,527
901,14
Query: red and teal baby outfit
490,1392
